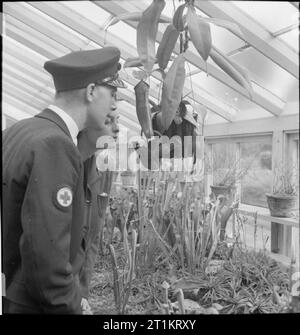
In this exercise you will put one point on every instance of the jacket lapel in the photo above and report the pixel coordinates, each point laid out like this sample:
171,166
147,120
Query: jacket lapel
52,116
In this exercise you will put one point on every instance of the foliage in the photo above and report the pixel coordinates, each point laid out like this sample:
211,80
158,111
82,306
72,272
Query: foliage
245,284
255,186
182,235
234,172
123,280
123,211
286,181
184,228
190,27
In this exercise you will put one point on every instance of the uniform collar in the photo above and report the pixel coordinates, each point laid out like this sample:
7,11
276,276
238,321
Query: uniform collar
70,123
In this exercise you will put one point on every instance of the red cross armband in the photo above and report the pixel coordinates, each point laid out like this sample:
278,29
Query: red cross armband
63,197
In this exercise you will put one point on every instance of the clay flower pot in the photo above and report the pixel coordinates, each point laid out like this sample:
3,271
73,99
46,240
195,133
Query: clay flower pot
224,190
281,205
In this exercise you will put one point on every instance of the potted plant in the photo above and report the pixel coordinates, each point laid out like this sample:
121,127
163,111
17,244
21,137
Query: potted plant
225,181
225,185
283,199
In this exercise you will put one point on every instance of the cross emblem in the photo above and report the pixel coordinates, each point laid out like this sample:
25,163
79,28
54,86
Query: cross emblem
64,196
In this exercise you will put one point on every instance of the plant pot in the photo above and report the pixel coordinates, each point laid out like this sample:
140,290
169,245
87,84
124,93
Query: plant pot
224,190
128,178
281,205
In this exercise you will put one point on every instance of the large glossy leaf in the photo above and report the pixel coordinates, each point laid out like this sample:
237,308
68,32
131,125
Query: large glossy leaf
200,33
146,34
232,70
172,90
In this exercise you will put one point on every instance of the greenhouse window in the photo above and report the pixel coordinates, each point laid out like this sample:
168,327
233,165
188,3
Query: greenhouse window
244,163
223,157
258,179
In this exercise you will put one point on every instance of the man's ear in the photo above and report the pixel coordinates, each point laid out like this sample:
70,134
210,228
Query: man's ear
90,92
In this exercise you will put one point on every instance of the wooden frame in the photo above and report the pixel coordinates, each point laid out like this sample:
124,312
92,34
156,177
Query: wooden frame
284,232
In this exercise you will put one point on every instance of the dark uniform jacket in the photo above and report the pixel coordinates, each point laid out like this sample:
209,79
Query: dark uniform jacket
42,233
98,186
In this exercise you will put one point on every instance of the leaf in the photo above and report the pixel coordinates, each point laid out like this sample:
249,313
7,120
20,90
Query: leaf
168,197
134,62
200,33
134,16
231,68
243,71
178,21
217,306
143,107
187,284
167,46
172,90
180,299
146,34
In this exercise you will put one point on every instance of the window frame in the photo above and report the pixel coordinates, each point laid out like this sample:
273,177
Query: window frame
237,140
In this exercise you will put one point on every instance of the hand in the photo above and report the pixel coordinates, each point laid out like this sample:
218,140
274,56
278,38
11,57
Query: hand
85,306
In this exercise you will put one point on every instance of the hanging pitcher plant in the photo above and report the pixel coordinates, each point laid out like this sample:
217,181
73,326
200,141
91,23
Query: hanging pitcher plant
186,26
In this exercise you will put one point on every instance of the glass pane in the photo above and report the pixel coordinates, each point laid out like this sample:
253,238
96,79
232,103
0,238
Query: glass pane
224,39
292,39
223,162
270,14
258,180
124,32
230,97
89,10
266,73
293,163
213,118
56,26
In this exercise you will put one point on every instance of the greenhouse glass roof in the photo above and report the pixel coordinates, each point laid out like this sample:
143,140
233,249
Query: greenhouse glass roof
34,32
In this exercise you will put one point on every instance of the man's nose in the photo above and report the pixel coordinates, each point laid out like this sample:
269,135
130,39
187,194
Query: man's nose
116,129
114,105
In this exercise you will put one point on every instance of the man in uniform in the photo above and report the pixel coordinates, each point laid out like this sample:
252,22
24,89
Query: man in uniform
43,185
98,184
